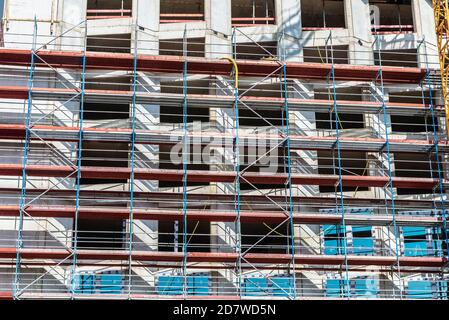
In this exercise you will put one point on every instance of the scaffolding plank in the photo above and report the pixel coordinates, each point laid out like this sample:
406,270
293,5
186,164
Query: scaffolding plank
215,176
211,216
223,257
158,137
175,64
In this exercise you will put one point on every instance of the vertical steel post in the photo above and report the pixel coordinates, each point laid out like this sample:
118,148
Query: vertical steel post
79,158
185,159
19,241
133,160
341,207
236,153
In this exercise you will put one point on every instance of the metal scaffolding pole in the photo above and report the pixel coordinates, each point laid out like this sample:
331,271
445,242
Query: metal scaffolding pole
78,165
26,147
133,163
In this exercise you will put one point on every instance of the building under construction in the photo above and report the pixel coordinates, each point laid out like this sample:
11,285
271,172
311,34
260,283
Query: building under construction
244,149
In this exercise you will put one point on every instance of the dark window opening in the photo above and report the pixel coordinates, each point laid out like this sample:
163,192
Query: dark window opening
196,162
175,47
249,12
396,58
117,43
171,236
339,54
181,11
109,111
275,160
108,9
101,111
100,233
326,121
277,242
174,114
264,50
391,16
415,165
352,163
263,118
323,14
104,154
413,122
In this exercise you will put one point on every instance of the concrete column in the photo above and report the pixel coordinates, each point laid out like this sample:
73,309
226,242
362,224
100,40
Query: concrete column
72,14
359,27
423,17
288,17
219,28
146,19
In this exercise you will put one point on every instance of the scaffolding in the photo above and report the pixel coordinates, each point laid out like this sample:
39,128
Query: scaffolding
354,206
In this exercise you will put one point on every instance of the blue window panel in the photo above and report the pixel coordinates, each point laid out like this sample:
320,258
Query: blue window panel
366,288
419,290
362,241
333,241
173,285
255,287
282,287
198,285
170,285
437,242
104,283
111,283
84,284
415,242
334,288
442,290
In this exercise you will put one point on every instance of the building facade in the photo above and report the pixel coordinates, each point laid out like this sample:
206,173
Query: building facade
250,149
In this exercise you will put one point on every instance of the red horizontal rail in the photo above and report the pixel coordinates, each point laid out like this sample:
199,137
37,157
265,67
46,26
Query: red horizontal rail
58,133
221,257
93,14
254,19
215,176
6,295
181,17
21,92
253,22
207,216
153,214
409,205
108,10
106,17
321,28
392,29
174,64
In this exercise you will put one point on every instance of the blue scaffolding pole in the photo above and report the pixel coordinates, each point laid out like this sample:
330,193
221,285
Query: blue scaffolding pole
390,172
19,242
341,206
289,177
133,160
78,172
185,159
236,153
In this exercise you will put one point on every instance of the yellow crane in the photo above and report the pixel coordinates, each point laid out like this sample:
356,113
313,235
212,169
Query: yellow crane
441,12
